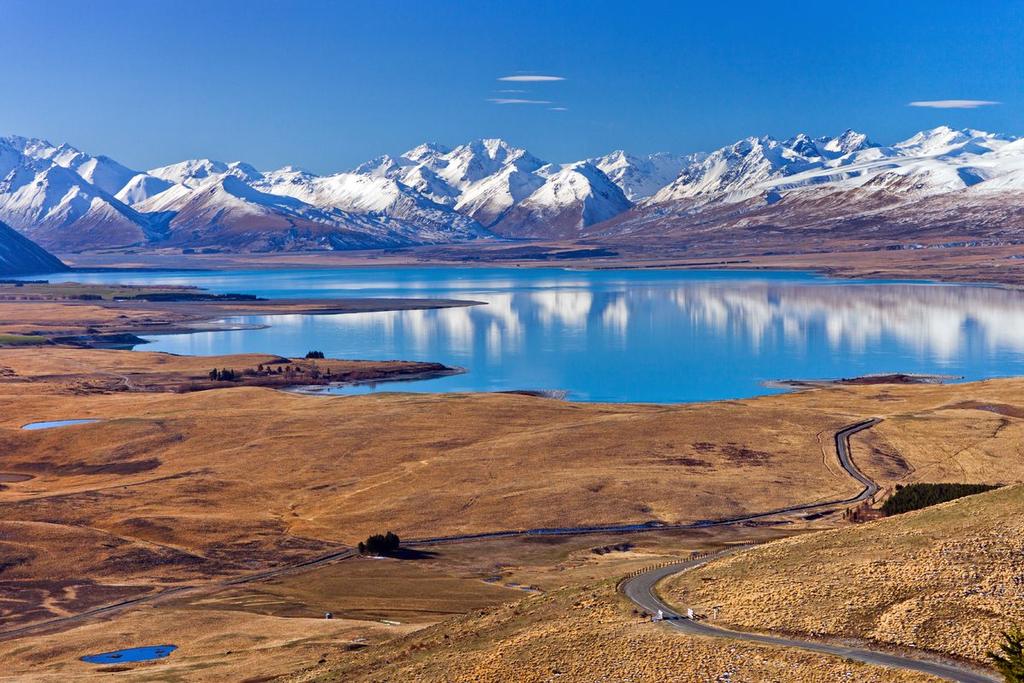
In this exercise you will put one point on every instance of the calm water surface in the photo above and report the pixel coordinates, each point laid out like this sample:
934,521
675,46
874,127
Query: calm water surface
52,424
132,654
662,336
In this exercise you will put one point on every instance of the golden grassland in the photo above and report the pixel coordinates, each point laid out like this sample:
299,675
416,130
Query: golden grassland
168,487
276,626
571,621
579,633
82,371
948,578
171,489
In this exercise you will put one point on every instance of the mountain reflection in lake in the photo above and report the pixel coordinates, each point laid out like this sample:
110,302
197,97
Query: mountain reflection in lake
661,336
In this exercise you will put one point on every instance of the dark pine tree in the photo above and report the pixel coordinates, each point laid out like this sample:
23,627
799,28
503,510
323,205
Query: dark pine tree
1009,661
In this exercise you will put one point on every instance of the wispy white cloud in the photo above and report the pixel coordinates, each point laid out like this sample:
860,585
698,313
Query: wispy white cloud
512,90
952,104
559,108
516,100
528,78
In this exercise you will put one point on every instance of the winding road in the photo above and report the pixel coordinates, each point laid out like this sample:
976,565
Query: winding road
639,588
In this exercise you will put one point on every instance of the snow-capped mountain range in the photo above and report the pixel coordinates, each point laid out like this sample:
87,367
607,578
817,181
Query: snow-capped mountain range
69,200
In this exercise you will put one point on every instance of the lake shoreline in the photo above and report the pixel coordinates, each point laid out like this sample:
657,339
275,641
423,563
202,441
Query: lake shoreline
325,388
84,319
660,337
982,264
893,378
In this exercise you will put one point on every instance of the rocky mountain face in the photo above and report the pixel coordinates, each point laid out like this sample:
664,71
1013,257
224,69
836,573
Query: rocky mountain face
937,181
21,256
940,182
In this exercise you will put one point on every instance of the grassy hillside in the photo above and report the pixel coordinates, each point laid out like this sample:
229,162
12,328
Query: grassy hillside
947,578
578,634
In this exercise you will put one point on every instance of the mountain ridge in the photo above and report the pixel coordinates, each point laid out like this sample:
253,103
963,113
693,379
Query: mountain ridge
69,200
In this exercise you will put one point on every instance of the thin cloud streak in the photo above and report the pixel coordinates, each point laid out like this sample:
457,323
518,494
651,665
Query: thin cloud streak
515,100
559,108
512,90
531,79
953,104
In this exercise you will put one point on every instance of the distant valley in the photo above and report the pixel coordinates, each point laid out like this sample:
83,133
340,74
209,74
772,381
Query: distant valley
939,182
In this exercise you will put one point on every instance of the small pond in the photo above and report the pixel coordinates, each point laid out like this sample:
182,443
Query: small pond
132,654
32,426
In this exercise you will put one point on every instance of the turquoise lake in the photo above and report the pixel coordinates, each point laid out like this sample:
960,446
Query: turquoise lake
646,336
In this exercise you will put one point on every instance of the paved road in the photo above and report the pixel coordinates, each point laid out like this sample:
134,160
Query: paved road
843,451
640,590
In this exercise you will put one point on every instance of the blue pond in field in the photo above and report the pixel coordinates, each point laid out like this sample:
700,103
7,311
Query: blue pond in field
55,423
132,654
626,335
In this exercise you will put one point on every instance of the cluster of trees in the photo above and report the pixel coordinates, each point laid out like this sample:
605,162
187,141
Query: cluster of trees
289,371
223,375
380,544
315,355
261,370
917,496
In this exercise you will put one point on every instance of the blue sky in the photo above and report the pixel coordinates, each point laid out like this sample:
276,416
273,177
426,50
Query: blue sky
326,85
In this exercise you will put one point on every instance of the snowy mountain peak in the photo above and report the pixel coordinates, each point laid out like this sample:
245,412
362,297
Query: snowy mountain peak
474,161
849,141
640,177
426,151
67,198
384,166
576,197
945,140
141,187
193,172
190,171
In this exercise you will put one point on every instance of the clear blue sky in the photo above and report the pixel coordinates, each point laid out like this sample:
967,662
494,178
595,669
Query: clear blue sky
326,85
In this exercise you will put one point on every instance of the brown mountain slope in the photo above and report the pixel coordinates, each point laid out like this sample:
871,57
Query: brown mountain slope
21,256
947,578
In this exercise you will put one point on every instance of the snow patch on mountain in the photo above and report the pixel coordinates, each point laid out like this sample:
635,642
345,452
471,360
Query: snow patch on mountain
194,172
640,177
574,198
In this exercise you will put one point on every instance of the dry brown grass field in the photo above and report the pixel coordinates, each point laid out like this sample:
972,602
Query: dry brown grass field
579,633
172,489
948,578
571,621
82,371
